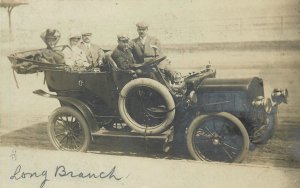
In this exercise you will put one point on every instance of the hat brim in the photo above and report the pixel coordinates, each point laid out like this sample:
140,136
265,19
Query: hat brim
124,40
75,38
51,37
142,27
86,34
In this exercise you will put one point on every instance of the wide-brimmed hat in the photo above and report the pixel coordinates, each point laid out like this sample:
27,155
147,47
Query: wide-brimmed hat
50,34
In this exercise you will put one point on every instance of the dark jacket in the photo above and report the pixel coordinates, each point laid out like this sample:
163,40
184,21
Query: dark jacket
141,52
122,58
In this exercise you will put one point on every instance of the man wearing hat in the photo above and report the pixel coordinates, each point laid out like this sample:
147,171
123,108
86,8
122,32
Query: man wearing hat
142,46
94,53
145,47
122,54
51,55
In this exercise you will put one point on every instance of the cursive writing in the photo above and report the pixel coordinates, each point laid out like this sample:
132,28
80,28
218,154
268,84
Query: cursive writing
23,175
62,171
111,174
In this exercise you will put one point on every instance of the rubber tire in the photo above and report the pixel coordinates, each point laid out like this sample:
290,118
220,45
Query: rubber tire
158,87
79,117
201,118
268,135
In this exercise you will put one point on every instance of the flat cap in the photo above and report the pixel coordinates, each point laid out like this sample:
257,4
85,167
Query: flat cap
123,37
142,25
86,33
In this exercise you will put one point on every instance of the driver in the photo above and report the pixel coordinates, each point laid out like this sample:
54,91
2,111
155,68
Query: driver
142,46
145,47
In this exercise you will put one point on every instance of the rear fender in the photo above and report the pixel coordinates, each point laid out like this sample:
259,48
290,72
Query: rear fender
81,106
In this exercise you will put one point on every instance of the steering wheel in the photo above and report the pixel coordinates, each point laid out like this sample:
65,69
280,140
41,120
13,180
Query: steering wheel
154,61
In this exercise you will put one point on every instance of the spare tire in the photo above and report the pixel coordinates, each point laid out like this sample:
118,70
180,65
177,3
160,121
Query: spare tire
146,106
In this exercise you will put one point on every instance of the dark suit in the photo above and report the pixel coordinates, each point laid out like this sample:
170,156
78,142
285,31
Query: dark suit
94,54
122,58
144,52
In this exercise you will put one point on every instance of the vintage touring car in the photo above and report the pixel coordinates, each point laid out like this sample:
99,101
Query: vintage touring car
215,119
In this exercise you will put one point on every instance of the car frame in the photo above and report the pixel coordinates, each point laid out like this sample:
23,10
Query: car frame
215,119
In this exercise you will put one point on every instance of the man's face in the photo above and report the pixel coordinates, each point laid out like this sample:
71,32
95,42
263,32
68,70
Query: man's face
74,41
86,38
123,44
142,31
51,42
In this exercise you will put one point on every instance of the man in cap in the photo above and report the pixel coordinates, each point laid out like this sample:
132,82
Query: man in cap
74,56
142,46
122,54
145,47
50,54
94,53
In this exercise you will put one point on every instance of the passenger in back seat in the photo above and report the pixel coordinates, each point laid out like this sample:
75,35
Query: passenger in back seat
94,53
50,55
74,56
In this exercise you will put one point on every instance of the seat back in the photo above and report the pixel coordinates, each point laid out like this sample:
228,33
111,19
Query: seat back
119,76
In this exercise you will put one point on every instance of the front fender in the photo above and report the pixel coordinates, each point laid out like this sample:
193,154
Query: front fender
78,104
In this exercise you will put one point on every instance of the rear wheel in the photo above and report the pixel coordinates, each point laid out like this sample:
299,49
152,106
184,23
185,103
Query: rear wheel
217,137
68,130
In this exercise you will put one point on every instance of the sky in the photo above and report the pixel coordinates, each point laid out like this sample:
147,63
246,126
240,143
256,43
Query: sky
184,21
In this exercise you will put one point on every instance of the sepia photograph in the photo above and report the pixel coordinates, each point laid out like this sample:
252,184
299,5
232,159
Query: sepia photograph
149,94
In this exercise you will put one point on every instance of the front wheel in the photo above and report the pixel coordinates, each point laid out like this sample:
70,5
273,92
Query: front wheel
68,130
217,137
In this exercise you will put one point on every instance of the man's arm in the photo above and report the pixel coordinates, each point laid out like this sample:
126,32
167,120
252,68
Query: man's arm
158,44
100,58
136,51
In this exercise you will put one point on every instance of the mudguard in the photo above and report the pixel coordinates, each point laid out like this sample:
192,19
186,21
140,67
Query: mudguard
81,106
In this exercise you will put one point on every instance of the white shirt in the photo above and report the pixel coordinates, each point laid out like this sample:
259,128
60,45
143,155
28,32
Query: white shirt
74,56
143,40
87,45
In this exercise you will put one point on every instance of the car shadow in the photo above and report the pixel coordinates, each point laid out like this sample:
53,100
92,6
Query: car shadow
36,136
281,151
